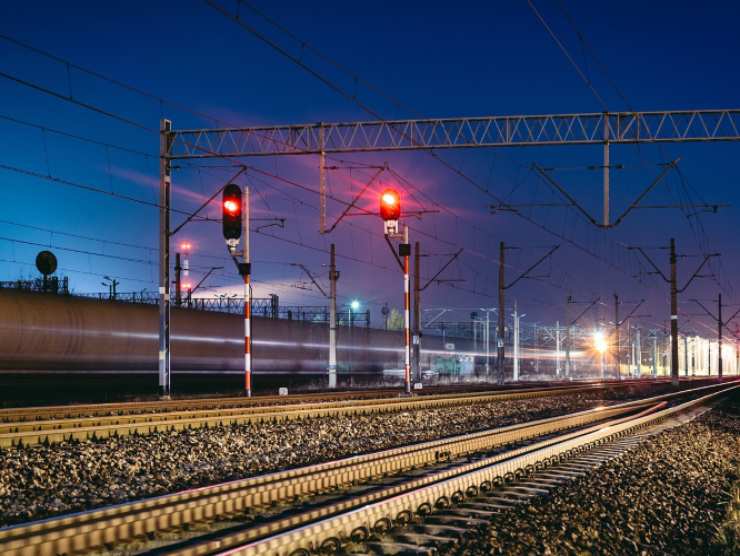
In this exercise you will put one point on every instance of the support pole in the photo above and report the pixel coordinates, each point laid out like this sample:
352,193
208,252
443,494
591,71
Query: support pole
417,312
557,349
616,337
165,189
487,343
674,315
655,355
333,277
474,326
406,312
605,220
568,336
501,342
515,376
247,272
686,355
536,351
322,180
719,335
638,354
178,280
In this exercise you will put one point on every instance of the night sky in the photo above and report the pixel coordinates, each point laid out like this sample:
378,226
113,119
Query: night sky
412,59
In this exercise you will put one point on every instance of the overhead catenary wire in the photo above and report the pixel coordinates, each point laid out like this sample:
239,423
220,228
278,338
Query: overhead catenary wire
116,116
93,73
353,98
567,54
78,137
70,99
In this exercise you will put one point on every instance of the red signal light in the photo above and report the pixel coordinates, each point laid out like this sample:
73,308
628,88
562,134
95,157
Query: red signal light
232,213
231,206
390,205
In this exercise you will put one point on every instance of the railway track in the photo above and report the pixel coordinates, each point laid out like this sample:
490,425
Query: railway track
29,432
36,413
365,481
444,505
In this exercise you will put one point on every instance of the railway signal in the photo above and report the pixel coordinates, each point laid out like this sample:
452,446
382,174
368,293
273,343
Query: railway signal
232,216
390,212
235,216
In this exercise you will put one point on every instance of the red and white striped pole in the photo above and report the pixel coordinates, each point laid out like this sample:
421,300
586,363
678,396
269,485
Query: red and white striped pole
247,271
406,313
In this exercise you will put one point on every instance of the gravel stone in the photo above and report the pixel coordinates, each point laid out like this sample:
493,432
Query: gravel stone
40,481
668,496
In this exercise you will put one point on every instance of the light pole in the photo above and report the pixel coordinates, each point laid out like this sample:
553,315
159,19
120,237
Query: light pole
487,338
390,212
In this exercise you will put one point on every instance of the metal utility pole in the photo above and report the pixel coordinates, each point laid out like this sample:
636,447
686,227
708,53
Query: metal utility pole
246,271
178,280
537,350
674,314
557,349
617,326
719,335
517,318
686,355
675,290
721,324
638,354
488,344
333,277
616,337
322,180
165,196
332,297
406,312
502,287
501,332
417,312
418,288
605,218
655,354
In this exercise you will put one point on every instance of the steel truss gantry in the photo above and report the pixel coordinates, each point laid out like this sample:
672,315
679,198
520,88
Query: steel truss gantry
443,133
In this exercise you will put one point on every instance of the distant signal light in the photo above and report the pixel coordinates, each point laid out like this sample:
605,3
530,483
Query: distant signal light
232,215
390,205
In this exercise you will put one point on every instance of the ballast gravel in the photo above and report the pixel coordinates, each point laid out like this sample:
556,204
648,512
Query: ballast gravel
40,481
667,496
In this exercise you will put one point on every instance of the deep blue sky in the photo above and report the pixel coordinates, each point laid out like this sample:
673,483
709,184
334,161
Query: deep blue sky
437,59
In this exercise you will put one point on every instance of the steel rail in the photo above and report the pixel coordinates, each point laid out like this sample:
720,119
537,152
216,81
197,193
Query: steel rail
85,428
91,409
446,485
89,530
13,414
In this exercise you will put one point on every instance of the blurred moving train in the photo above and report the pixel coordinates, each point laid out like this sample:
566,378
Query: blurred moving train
60,334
